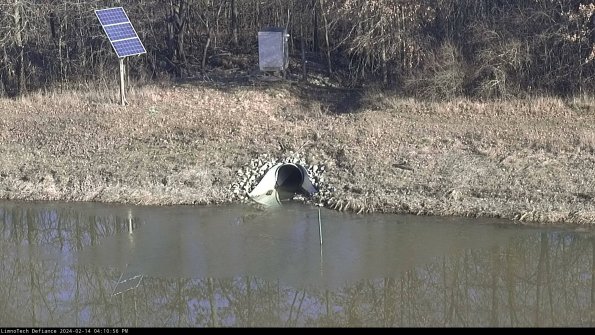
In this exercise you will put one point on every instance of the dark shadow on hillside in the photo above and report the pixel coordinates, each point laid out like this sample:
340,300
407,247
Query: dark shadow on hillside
333,99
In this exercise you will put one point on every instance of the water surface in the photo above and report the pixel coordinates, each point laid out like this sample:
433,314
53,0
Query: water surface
68,265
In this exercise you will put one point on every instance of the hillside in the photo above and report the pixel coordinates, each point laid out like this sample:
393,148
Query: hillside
532,160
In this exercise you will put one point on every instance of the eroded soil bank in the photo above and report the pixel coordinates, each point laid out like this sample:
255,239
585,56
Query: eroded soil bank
531,160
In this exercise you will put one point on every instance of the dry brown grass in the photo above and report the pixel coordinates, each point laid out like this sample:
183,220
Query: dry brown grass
528,159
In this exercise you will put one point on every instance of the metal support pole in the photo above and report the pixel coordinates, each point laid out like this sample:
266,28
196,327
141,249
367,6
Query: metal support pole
122,83
126,72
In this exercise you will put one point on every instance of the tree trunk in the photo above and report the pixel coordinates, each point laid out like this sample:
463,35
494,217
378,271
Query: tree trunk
180,25
234,23
170,39
326,39
2,90
316,46
206,49
18,40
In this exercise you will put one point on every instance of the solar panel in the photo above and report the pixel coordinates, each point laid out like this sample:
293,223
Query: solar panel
128,47
120,32
111,16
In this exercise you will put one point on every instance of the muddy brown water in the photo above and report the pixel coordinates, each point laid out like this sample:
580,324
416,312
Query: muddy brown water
78,265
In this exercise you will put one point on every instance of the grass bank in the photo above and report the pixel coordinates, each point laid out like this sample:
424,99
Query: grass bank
531,160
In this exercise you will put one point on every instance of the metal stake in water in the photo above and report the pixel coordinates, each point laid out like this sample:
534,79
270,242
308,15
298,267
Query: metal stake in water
320,234
319,226
129,221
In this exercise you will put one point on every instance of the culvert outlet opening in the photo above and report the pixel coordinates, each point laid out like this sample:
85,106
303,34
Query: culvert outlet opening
289,179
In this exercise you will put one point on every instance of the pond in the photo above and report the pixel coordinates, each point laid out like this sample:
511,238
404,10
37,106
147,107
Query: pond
85,264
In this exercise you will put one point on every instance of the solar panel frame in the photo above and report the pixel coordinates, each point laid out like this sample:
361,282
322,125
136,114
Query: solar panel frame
120,32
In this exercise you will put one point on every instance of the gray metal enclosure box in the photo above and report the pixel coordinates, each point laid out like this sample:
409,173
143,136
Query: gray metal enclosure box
272,49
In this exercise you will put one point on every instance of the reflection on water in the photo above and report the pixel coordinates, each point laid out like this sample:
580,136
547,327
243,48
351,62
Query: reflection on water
234,266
